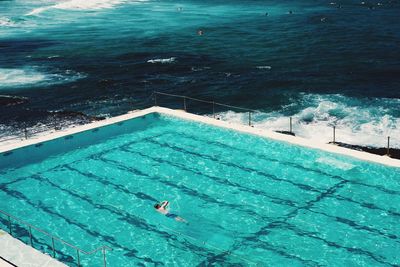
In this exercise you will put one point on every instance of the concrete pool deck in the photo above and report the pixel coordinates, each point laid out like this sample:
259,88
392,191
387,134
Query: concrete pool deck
211,121
21,255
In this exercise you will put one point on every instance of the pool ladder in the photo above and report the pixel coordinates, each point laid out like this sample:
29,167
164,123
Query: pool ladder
53,239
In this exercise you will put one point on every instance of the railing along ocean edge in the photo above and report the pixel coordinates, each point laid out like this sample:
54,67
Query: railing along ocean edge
155,97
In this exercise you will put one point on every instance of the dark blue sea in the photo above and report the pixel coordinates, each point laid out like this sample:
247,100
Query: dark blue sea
323,63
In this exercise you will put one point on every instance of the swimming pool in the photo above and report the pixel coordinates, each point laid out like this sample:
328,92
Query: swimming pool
249,200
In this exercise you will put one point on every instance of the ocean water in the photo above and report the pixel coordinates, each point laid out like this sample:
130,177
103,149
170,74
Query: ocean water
249,201
326,63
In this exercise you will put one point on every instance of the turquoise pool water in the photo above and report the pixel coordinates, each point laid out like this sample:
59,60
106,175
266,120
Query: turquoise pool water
249,201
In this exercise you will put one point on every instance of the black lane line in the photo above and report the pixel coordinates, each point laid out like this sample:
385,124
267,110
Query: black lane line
245,169
118,187
324,194
222,181
226,182
123,215
59,167
186,190
266,230
109,239
339,197
367,205
356,226
196,195
298,166
351,250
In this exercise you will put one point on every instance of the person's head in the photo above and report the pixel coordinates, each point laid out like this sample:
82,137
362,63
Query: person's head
157,206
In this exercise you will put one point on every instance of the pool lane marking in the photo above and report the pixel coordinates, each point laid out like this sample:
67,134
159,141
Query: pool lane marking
310,210
234,165
109,239
352,250
298,166
362,184
186,190
118,187
217,203
221,181
265,230
221,249
339,219
132,218
59,167
356,226
127,217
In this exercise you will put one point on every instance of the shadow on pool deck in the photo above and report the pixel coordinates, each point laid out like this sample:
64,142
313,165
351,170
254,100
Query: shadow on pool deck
394,152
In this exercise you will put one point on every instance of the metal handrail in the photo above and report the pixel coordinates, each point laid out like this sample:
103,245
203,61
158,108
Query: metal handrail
104,248
204,101
250,111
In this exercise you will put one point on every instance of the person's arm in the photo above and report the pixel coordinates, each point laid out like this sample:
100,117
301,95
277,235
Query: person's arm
164,204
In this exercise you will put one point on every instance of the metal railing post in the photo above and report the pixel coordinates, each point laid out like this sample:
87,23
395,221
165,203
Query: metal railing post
104,257
54,248
9,225
290,126
79,260
213,109
30,236
334,134
388,147
249,118
184,103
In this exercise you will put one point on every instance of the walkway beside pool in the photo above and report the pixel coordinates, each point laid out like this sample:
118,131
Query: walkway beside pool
21,255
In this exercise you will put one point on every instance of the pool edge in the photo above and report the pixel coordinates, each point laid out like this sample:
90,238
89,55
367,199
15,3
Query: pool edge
211,121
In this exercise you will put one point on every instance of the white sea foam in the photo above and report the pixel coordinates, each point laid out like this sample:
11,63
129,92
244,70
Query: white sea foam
162,60
28,76
83,5
356,122
6,22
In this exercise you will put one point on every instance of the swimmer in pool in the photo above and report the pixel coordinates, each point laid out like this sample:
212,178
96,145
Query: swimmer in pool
162,208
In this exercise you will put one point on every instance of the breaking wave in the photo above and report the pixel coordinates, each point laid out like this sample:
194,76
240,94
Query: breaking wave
82,5
358,122
6,22
12,78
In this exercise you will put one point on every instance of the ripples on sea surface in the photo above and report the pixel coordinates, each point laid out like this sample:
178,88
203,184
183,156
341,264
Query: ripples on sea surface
325,63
